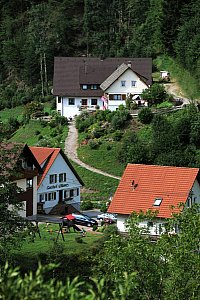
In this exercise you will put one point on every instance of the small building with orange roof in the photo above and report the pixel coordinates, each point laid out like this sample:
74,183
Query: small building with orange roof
154,188
59,183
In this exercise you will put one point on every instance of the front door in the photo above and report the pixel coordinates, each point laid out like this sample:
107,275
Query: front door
60,196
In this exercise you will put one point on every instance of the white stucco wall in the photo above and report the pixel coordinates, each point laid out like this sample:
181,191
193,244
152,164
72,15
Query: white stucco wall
156,229
117,88
59,166
68,111
128,76
195,192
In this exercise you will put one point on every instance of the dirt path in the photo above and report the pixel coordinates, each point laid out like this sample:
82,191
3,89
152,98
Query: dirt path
174,89
71,145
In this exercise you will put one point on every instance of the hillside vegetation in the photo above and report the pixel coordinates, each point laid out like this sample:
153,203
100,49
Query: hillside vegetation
34,32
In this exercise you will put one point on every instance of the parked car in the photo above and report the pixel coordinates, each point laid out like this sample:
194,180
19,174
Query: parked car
107,216
84,220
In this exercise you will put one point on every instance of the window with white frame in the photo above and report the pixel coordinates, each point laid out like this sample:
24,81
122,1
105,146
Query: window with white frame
93,86
117,97
59,99
84,86
42,198
123,83
93,101
71,101
71,193
66,194
29,183
51,196
62,177
133,83
53,178
157,201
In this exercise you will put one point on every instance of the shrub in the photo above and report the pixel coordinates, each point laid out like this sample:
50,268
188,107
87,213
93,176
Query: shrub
79,239
117,135
93,144
40,137
145,115
37,132
109,147
85,205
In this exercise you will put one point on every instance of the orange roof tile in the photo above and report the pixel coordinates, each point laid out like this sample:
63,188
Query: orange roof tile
47,156
43,154
172,184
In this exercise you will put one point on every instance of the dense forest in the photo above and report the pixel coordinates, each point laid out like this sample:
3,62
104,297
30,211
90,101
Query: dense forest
33,32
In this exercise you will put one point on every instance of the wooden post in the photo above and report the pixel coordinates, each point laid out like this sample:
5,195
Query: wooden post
60,231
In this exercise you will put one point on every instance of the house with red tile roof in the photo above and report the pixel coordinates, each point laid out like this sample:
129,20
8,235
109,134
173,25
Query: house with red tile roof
19,165
83,83
59,183
154,188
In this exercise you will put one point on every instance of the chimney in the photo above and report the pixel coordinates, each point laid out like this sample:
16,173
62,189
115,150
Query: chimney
129,64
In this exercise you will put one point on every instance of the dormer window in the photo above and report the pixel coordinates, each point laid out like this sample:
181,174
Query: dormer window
93,86
157,201
123,83
84,86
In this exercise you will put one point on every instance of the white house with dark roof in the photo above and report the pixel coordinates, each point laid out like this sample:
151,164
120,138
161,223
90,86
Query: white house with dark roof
87,83
59,183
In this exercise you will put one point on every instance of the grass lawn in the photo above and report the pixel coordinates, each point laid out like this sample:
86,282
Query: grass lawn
48,237
68,253
102,158
99,187
29,134
16,112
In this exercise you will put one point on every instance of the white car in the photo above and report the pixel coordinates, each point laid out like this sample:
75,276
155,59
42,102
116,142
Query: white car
107,216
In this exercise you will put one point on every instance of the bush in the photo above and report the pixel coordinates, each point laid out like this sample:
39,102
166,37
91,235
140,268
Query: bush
145,115
85,205
37,132
117,135
93,144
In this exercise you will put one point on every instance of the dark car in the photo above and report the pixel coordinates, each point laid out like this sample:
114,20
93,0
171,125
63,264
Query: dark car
84,220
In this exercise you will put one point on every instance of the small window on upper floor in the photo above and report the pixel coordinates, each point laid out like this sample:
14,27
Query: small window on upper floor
59,99
62,177
133,83
157,201
123,83
53,178
84,86
93,86
29,183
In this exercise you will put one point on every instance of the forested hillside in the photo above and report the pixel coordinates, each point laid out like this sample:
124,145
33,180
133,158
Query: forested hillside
33,32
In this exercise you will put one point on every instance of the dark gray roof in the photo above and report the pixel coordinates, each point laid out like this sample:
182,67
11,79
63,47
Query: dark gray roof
71,72
113,77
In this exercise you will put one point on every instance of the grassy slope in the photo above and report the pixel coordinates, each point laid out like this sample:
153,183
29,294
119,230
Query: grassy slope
16,112
100,187
102,158
27,133
188,84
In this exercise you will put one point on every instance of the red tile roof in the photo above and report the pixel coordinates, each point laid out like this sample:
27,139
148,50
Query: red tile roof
172,184
47,156
43,154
